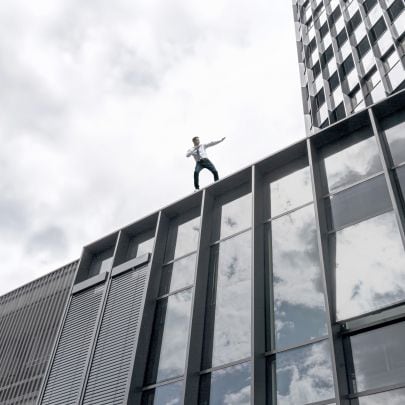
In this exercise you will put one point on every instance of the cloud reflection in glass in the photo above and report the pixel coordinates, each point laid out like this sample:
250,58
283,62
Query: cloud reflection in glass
290,191
352,164
299,302
232,311
370,265
304,375
236,216
175,335
231,386
187,238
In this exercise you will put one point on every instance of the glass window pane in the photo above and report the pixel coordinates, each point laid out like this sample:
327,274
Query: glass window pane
170,394
367,62
353,162
187,237
236,215
390,59
379,357
290,191
394,129
229,386
178,275
232,309
399,25
169,343
304,375
396,76
101,262
384,42
345,51
106,264
369,261
349,206
356,96
298,289
359,106
396,397
140,245
395,9
378,92
145,247
183,238
373,78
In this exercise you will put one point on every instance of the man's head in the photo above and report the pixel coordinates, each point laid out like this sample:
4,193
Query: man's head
196,141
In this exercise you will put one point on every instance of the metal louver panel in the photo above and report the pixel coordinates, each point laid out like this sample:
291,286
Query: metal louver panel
111,368
69,365
29,319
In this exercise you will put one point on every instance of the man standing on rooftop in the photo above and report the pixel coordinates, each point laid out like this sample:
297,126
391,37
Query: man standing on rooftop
201,159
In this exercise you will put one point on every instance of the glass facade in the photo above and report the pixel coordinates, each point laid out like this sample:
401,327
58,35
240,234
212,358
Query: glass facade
297,308
227,337
357,45
169,341
362,235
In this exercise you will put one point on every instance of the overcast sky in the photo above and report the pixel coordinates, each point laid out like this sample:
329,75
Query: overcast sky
99,102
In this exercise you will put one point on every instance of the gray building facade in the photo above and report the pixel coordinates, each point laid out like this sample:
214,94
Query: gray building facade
29,320
351,55
283,283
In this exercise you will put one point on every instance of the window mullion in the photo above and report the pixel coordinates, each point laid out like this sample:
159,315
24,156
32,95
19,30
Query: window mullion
328,281
386,161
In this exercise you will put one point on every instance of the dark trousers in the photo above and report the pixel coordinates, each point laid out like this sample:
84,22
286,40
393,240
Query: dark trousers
204,164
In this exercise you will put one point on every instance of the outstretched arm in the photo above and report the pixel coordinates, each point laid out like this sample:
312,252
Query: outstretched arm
207,145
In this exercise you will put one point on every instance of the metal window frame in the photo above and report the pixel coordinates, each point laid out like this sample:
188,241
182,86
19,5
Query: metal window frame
217,200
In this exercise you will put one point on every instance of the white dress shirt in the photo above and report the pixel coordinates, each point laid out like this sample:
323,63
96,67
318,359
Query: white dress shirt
198,152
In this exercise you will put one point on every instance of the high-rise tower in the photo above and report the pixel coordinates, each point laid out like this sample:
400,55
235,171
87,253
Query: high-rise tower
351,55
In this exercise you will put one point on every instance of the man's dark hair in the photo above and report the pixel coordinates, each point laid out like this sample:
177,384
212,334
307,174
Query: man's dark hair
196,137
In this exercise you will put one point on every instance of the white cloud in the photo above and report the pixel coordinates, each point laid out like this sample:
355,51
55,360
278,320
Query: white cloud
99,101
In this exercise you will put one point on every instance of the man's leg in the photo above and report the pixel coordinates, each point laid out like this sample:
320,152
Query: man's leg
209,165
197,171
